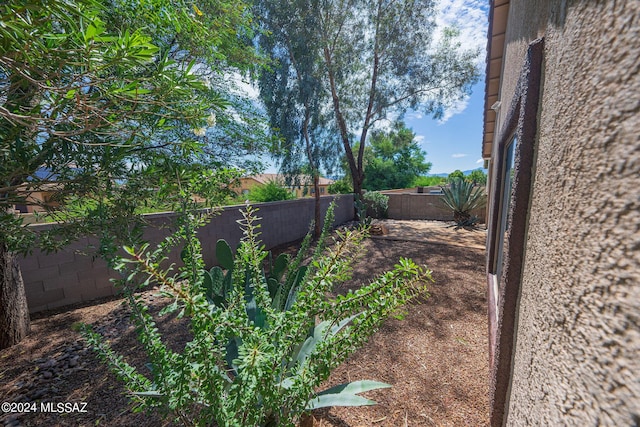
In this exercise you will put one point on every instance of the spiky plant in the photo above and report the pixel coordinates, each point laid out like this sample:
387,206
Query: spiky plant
462,198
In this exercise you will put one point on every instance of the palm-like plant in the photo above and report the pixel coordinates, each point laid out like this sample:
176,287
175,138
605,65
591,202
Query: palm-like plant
461,198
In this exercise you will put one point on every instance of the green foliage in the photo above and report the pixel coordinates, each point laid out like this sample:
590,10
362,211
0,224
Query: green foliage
428,181
252,360
96,95
461,198
477,177
341,186
455,175
272,191
364,61
376,204
393,159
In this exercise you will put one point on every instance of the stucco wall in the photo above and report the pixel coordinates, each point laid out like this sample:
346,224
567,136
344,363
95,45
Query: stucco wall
578,333
73,275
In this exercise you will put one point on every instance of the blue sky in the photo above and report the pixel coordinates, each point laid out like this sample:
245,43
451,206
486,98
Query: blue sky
455,142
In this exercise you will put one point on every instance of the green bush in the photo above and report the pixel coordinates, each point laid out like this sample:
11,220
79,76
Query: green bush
272,191
376,203
342,186
455,175
428,181
262,343
461,198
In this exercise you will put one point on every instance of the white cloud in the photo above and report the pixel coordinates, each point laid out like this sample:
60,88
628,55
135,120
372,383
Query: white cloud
470,18
457,108
459,155
479,161
418,138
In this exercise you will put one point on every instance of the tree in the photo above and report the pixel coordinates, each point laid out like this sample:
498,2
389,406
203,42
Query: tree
455,175
394,159
477,177
381,57
86,105
292,91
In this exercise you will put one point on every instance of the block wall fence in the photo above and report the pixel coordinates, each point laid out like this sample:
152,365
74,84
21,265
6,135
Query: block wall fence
73,275
412,205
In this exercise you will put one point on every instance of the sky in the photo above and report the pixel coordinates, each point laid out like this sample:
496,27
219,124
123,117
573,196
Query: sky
455,141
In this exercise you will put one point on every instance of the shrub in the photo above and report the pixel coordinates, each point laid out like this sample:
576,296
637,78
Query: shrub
262,342
461,198
272,191
428,181
376,203
342,186
455,175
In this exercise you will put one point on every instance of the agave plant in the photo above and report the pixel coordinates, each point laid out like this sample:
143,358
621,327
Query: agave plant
462,198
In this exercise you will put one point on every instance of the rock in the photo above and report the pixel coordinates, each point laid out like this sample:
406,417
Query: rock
48,364
39,393
47,375
379,229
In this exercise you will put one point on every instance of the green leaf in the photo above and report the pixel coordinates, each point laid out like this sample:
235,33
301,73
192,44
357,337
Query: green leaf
346,395
280,266
224,254
355,387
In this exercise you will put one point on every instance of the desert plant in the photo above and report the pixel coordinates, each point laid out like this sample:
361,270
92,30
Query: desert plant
272,191
255,359
461,198
341,186
376,204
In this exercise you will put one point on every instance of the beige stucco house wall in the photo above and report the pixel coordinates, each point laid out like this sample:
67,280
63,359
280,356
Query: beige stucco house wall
573,355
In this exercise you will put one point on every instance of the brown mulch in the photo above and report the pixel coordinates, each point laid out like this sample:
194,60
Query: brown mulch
435,358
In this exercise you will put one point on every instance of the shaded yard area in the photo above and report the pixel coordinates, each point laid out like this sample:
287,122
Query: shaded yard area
435,358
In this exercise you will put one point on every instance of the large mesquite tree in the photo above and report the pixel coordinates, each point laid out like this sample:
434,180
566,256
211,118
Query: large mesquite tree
88,101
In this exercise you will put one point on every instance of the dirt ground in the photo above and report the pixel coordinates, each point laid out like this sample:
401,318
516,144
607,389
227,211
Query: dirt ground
435,358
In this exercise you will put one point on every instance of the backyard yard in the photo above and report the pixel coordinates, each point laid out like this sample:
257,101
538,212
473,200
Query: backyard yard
435,358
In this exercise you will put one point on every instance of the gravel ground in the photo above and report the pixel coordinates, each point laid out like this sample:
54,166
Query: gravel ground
435,358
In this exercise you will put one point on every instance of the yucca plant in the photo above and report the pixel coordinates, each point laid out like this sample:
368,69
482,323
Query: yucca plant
262,342
462,198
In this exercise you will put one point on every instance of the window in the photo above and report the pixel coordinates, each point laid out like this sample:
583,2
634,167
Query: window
512,179
505,205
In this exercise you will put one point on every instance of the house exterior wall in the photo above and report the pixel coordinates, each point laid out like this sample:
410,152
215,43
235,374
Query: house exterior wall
578,322
73,275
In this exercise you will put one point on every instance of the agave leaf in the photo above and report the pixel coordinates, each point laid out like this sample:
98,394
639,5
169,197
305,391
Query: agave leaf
346,395
293,292
338,400
280,266
319,334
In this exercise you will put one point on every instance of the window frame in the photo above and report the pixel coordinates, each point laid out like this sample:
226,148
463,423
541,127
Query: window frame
506,245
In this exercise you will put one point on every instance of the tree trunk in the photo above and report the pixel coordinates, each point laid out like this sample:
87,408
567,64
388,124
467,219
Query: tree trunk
14,313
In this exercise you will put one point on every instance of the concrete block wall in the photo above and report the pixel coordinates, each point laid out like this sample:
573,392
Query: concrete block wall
74,275
422,206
